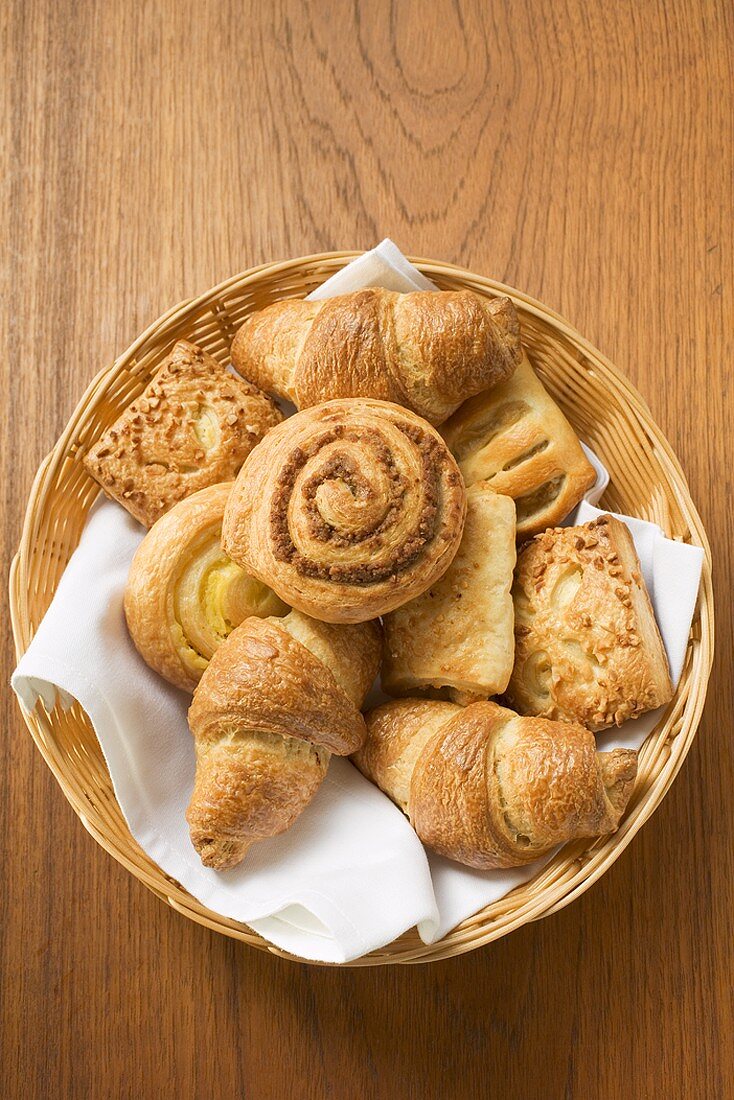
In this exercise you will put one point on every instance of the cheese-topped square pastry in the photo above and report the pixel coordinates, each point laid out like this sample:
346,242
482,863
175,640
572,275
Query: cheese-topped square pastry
587,647
457,636
515,436
193,426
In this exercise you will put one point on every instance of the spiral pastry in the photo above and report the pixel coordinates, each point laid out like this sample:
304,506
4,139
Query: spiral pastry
347,510
184,595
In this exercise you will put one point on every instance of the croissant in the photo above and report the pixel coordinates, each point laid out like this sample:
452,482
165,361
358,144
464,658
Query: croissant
490,789
428,350
184,595
277,698
347,510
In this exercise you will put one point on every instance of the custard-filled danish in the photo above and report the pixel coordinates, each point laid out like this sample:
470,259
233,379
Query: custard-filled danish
347,510
184,595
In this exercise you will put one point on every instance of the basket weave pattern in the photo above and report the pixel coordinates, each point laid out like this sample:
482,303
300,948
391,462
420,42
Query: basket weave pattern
607,412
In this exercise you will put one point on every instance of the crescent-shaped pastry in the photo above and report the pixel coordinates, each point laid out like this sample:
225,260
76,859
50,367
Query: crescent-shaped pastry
347,510
490,789
427,350
184,595
278,698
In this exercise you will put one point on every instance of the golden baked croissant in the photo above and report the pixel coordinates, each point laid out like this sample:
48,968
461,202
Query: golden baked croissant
426,350
490,789
184,595
347,510
278,697
517,438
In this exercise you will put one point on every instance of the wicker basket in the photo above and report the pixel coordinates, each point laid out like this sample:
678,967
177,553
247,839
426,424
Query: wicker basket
646,481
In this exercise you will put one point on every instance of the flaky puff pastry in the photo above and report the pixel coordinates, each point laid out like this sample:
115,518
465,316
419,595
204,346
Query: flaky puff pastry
457,637
184,595
426,350
347,510
278,697
490,789
588,648
193,426
517,438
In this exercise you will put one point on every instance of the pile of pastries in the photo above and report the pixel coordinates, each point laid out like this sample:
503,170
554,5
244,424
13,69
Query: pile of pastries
403,523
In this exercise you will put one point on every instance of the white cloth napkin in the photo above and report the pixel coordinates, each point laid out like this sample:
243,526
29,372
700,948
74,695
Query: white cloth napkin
350,875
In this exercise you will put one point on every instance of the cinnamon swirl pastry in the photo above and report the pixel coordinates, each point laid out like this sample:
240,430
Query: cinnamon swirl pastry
347,510
184,595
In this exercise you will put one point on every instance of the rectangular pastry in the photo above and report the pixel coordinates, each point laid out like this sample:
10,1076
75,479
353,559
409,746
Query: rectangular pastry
516,437
587,646
194,425
458,635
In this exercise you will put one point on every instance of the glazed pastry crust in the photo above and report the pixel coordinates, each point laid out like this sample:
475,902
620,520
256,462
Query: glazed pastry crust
517,438
278,697
184,595
588,648
428,351
347,510
193,426
488,788
458,635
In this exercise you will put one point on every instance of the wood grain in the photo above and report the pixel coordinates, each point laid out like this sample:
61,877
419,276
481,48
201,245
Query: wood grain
579,150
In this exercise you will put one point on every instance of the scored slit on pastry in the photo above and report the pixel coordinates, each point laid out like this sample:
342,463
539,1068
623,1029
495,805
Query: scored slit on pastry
184,595
515,437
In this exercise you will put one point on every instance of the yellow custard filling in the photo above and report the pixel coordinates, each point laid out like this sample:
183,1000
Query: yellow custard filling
212,596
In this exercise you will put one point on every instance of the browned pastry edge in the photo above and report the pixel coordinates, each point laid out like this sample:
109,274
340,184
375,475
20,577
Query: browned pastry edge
457,637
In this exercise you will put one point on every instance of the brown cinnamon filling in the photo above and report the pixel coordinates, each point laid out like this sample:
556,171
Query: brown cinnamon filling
344,468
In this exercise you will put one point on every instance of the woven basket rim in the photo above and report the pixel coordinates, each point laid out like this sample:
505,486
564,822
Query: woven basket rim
578,865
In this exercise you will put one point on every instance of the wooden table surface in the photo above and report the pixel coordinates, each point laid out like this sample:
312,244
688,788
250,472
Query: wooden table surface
579,150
